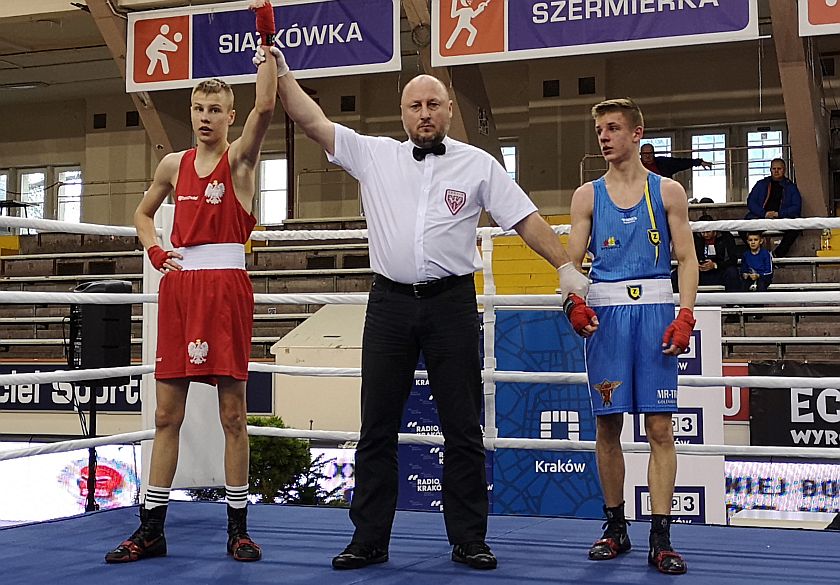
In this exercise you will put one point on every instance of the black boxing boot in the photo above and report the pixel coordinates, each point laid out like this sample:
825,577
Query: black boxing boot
615,540
239,544
147,541
661,555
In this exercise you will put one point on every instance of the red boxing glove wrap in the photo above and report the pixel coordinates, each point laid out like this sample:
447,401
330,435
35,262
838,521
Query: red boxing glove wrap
158,256
679,331
265,24
579,314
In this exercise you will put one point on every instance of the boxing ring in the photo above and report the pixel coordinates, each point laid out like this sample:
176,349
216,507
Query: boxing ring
299,541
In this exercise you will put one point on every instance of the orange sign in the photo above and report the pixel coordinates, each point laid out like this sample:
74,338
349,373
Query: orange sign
162,49
470,27
824,11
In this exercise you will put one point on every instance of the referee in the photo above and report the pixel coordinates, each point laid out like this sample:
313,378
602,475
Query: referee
423,198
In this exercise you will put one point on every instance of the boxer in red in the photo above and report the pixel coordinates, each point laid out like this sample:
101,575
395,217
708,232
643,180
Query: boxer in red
205,305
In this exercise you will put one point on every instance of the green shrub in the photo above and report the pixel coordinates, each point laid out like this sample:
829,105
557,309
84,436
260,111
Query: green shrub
276,464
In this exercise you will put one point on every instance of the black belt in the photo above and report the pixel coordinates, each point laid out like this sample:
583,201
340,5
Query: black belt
422,290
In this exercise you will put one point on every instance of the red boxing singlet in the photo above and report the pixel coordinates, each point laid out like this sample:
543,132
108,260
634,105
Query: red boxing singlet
206,208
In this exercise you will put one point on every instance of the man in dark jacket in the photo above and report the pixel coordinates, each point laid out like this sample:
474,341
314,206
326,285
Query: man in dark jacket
717,257
776,197
666,166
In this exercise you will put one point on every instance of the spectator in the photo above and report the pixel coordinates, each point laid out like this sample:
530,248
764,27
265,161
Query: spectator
717,257
666,166
776,197
756,265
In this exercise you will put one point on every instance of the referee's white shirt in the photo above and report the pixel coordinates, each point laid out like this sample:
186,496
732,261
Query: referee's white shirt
422,215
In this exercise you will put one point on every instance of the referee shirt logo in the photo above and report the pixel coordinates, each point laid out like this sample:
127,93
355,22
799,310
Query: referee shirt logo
455,200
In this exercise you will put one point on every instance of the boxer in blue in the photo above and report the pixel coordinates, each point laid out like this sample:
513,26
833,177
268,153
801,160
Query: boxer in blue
630,220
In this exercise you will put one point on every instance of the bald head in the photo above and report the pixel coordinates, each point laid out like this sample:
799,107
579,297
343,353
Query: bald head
426,110
425,83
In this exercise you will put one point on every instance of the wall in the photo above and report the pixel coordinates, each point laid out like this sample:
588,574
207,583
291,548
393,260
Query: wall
729,87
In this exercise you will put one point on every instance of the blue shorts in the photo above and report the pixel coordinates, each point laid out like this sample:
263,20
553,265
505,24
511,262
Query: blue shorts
626,368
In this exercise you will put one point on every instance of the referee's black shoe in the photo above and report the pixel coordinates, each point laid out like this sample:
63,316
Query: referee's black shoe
475,554
358,555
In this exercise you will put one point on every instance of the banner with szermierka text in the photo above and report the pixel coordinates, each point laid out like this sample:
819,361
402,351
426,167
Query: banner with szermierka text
173,48
480,31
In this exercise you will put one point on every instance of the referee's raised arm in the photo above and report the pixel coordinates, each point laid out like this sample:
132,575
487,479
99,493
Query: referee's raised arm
301,108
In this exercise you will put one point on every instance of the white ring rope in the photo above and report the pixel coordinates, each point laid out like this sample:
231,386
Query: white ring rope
437,440
298,235
559,378
71,298
51,225
64,446
74,375
703,299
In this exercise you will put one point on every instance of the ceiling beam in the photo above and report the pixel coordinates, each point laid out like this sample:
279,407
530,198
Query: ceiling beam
802,92
472,119
113,29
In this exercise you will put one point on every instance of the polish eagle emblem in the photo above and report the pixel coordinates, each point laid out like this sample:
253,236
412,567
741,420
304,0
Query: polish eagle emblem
198,351
214,192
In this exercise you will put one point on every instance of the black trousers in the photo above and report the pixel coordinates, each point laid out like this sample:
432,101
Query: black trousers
397,327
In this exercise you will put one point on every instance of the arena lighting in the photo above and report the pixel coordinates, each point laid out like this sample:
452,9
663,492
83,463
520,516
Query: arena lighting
22,85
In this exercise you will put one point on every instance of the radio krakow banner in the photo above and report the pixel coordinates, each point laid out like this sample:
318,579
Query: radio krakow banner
480,31
794,417
172,48
819,17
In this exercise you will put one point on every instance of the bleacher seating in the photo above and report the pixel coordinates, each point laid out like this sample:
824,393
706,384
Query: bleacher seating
60,262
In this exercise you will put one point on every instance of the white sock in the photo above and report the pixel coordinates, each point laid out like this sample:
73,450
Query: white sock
236,496
156,496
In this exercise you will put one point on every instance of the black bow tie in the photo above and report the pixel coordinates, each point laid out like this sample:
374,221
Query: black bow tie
420,153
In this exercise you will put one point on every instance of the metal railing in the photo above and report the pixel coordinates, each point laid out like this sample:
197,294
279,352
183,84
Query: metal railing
736,165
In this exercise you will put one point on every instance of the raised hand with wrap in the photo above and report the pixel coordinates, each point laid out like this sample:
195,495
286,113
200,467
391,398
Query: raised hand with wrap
265,21
678,334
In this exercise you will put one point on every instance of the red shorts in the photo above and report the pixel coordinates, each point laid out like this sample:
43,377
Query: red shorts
205,321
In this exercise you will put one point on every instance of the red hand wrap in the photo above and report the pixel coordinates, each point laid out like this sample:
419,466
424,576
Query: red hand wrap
679,331
578,312
158,256
265,24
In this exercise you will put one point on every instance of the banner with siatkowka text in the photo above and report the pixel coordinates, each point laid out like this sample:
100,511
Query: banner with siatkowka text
794,417
175,47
